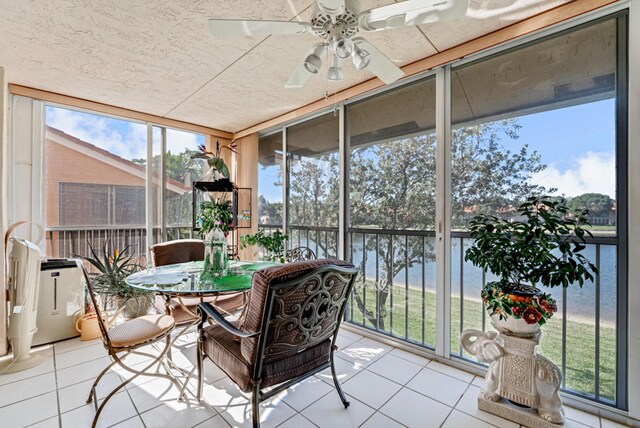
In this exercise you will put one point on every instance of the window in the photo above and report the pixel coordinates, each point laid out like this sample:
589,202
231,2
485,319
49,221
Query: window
270,180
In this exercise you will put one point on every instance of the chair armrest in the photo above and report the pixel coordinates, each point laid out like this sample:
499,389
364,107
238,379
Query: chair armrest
206,311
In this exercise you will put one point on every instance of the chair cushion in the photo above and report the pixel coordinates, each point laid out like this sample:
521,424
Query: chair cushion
140,330
228,302
262,279
222,348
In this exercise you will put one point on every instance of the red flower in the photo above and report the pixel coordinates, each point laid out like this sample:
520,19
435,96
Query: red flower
531,315
517,311
547,306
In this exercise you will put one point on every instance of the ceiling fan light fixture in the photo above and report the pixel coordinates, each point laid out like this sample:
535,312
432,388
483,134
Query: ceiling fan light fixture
335,71
361,58
343,47
313,62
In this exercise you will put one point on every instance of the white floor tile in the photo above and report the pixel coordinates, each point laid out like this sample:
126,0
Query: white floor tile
222,394
154,393
478,381
48,423
81,372
451,371
75,343
30,411
80,355
409,356
395,368
458,419
134,422
273,412
76,395
438,386
214,422
329,412
118,409
298,421
45,367
211,372
415,410
378,420
582,417
305,393
344,371
606,423
469,405
362,353
174,413
371,389
27,388
348,334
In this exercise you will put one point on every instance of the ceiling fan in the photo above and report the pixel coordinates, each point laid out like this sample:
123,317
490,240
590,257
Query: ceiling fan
338,22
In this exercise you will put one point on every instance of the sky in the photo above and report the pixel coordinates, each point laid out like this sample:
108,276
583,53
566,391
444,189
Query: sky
576,143
123,138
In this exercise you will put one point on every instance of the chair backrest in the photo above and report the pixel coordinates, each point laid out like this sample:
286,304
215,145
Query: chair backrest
300,254
178,251
296,306
102,322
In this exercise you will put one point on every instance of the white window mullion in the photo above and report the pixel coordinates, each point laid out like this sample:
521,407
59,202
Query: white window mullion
443,212
343,191
149,191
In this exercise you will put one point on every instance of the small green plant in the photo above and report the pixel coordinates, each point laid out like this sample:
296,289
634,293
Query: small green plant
214,160
541,247
113,267
272,243
215,214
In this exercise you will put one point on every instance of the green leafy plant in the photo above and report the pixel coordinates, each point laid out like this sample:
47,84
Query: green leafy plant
542,246
113,267
215,162
215,214
272,243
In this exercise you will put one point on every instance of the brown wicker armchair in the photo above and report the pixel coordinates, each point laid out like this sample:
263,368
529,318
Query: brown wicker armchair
183,310
289,332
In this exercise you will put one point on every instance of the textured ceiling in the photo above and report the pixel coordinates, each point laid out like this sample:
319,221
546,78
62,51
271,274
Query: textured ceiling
157,56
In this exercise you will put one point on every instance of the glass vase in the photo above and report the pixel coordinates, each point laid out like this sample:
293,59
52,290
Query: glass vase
216,260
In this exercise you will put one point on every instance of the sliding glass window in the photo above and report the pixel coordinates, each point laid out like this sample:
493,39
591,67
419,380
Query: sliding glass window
541,120
392,157
270,193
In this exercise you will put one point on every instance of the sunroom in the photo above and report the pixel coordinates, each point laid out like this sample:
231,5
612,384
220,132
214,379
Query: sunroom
229,163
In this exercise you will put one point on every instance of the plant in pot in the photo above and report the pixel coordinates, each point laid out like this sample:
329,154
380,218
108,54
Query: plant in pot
216,222
541,247
113,267
271,244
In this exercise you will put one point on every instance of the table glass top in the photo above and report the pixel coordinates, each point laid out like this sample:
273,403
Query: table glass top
184,278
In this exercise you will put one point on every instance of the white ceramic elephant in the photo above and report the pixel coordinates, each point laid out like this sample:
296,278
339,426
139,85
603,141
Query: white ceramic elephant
488,347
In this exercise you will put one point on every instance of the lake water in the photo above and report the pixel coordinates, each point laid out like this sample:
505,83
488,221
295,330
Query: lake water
581,302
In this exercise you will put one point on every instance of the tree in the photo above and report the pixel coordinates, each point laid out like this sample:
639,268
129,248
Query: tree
270,211
597,204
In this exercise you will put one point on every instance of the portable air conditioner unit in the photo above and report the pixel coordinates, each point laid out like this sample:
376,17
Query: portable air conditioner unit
24,277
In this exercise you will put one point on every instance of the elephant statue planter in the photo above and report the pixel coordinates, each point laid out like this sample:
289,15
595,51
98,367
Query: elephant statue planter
519,374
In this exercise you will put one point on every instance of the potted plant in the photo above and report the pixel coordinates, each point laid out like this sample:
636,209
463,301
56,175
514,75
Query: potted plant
541,247
272,244
215,214
215,221
113,267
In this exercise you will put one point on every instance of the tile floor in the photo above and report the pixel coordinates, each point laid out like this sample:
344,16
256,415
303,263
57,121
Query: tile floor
387,387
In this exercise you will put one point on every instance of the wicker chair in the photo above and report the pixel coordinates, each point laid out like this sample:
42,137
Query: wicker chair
125,339
183,310
289,332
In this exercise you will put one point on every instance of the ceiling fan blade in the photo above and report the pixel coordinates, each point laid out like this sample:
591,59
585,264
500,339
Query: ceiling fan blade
299,77
332,7
379,64
411,12
239,27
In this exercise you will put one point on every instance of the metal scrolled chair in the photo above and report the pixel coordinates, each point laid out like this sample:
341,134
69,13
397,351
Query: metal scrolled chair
300,254
183,309
126,338
289,333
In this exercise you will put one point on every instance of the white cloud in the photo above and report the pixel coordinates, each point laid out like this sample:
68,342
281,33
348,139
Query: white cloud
128,141
594,172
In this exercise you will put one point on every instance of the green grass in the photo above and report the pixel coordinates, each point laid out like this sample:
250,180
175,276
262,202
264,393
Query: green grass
580,340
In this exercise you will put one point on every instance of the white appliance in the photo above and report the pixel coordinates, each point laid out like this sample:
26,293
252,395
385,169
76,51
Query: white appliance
61,300
24,277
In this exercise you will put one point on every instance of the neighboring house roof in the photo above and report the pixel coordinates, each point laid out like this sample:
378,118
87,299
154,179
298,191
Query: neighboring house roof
105,156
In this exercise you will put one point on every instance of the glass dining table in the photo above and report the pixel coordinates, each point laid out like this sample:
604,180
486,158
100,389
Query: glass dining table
185,280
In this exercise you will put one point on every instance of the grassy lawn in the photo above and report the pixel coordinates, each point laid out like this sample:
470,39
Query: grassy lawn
580,340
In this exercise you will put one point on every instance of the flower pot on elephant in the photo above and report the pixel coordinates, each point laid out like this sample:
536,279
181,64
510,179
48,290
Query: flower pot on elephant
517,327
